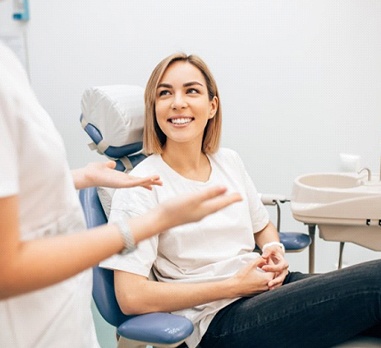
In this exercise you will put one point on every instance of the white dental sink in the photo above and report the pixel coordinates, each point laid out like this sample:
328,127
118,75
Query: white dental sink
345,206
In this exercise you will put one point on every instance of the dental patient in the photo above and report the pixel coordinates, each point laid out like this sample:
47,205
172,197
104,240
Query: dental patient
207,271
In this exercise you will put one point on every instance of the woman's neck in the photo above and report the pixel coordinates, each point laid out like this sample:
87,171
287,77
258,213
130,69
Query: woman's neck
189,161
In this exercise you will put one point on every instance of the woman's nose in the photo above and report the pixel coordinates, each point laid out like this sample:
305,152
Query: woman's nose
178,101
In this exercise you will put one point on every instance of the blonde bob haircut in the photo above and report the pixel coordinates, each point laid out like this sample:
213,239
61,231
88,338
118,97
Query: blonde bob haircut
153,137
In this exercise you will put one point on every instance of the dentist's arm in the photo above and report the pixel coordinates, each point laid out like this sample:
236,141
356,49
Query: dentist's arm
30,265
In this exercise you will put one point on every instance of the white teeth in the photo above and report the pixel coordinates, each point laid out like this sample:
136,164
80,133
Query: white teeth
181,120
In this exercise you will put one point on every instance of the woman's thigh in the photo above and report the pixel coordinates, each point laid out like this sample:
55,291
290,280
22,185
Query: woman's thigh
307,311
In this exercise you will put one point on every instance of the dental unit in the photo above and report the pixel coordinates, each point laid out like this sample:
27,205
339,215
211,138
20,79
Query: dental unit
346,207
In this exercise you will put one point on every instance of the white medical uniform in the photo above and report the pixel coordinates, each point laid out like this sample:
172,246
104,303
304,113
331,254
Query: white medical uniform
34,167
212,249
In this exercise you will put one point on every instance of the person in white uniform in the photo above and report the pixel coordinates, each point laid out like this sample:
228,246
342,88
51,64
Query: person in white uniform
45,251
207,271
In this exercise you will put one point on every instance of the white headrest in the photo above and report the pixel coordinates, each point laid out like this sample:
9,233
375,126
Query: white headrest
117,111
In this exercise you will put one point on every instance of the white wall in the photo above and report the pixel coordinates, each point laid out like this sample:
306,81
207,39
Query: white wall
300,81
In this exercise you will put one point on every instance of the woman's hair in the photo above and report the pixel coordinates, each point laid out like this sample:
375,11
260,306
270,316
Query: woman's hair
153,138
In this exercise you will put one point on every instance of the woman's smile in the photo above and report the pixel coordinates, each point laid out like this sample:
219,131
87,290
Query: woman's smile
180,120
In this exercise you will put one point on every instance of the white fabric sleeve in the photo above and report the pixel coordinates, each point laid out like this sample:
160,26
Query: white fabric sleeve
258,212
128,203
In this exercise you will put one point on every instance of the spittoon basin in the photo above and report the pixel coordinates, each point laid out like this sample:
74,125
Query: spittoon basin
345,206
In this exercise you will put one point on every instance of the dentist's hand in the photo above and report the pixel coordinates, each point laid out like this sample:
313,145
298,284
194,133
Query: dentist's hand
181,210
194,207
104,174
276,264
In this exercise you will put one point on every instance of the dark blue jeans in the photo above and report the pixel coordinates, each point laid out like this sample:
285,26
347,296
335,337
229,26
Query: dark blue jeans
306,311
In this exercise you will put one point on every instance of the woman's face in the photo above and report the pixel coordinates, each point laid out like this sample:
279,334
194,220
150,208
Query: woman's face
182,104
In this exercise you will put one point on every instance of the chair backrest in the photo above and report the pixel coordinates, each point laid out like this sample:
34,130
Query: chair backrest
103,279
113,117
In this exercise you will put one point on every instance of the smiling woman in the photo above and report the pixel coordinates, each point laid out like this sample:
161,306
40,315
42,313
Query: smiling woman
184,105
160,89
183,110
208,271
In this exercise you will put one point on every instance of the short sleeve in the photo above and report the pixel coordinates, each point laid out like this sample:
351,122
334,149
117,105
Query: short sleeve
258,212
127,203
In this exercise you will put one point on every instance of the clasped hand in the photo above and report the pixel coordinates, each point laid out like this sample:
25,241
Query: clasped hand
265,273
276,264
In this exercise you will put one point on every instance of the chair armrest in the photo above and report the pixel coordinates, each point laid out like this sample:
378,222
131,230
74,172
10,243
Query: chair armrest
161,328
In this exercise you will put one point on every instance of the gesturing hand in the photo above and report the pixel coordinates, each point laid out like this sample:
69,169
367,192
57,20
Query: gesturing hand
104,174
194,207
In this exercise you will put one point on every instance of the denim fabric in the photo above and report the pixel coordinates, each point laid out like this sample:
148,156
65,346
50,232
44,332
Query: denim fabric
307,311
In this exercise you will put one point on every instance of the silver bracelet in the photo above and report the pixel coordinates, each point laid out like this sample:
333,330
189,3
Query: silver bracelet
265,246
128,238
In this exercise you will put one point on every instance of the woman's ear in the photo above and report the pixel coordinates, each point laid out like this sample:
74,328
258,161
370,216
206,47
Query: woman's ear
213,107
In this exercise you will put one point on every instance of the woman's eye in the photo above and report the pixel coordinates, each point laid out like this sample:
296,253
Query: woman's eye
192,91
163,92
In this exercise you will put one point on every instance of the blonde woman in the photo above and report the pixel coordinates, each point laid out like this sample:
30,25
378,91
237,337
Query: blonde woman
207,271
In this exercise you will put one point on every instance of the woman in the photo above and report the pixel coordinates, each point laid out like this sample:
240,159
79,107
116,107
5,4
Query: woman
207,271
45,252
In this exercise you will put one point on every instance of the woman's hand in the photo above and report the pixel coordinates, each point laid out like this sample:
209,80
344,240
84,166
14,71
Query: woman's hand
104,174
275,263
251,279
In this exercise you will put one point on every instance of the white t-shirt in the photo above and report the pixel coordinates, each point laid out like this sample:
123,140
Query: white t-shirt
34,167
210,250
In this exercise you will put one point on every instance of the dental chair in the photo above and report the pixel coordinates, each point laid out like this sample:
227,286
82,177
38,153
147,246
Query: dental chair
112,116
